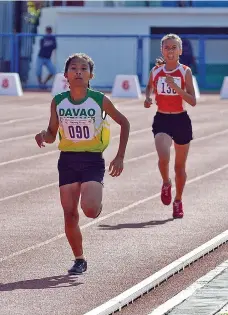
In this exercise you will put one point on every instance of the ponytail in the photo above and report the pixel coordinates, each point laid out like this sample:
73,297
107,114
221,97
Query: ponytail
160,61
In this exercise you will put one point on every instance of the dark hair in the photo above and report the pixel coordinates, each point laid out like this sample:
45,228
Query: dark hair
80,56
49,28
161,61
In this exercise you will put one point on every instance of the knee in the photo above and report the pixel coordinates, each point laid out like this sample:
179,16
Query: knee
180,170
90,211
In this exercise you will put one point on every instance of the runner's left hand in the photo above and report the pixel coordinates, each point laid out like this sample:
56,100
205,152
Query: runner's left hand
116,166
40,138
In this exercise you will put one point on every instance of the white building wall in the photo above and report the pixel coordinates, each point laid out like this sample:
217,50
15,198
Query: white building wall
118,55
93,3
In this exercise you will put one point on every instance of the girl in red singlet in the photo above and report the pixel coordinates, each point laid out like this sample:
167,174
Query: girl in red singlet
172,84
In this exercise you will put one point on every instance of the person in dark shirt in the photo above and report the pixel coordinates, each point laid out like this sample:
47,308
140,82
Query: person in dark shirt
47,45
187,58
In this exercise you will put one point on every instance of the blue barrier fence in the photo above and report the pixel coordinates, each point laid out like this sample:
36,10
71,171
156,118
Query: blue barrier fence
17,52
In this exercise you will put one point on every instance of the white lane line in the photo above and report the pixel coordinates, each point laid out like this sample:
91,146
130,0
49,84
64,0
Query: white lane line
55,151
124,209
136,132
185,294
12,121
26,192
31,157
114,137
55,183
32,135
17,138
149,283
27,158
23,106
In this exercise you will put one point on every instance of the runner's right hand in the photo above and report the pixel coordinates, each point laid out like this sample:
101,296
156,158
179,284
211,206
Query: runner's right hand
40,138
147,102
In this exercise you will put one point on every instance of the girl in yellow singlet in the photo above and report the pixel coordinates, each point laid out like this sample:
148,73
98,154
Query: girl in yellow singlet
79,115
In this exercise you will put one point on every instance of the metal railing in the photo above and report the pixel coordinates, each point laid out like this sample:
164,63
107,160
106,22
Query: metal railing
18,53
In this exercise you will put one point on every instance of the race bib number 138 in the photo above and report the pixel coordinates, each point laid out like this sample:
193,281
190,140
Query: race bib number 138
164,89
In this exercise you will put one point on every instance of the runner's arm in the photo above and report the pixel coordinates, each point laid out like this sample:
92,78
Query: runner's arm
149,86
121,120
49,135
188,95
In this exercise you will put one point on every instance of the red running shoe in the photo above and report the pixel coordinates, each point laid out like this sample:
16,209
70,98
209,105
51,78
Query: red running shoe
178,212
166,196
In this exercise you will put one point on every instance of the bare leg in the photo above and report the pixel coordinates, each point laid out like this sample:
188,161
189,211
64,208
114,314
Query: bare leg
69,195
180,165
39,80
163,143
91,198
48,78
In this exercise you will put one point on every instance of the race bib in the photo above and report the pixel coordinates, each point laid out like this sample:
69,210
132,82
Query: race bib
164,89
78,129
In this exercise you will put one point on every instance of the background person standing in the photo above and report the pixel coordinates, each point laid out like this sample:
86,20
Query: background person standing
47,46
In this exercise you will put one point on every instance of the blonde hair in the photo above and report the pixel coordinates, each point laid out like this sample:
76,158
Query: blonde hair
160,60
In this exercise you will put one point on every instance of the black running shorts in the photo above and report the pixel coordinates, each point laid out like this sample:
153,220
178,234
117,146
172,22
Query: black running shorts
177,126
80,167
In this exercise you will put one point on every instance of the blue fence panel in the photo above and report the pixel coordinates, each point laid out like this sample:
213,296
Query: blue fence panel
7,46
6,42
107,51
211,66
211,56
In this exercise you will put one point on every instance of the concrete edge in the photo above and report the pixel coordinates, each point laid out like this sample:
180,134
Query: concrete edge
156,279
169,305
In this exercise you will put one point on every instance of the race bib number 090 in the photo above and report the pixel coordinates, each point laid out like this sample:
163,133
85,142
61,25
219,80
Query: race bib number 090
78,130
164,89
